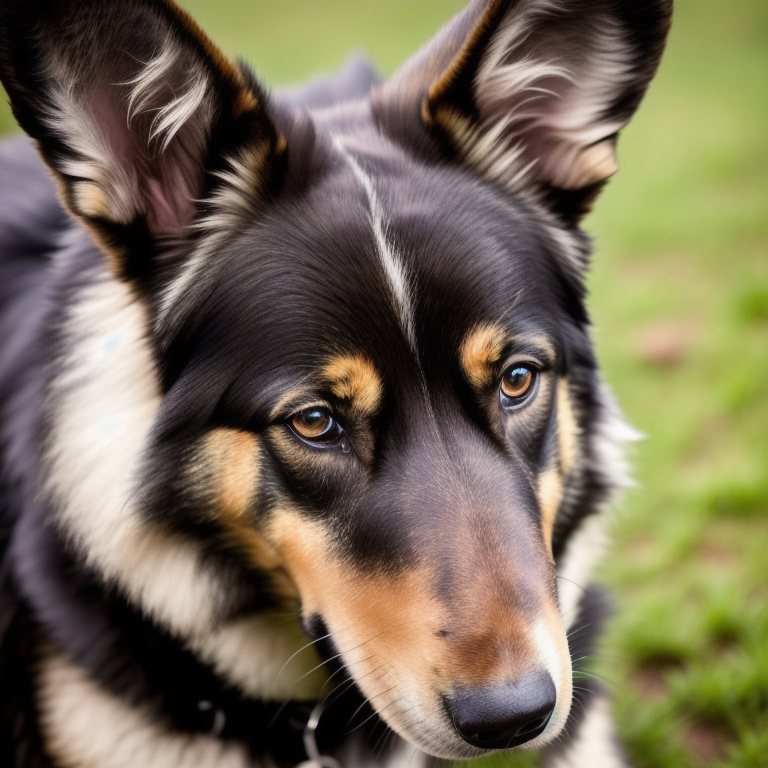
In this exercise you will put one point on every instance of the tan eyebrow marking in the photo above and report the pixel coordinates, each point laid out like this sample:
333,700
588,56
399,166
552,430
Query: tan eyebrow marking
350,377
483,347
354,378
288,398
480,351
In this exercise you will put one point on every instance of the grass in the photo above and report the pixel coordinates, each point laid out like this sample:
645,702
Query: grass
680,305
681,262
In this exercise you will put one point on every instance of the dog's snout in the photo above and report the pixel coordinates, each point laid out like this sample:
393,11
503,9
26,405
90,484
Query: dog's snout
503,716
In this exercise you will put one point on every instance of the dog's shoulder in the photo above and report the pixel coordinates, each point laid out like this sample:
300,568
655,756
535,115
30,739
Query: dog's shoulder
353,81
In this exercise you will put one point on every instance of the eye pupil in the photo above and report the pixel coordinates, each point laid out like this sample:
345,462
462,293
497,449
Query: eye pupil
517,382
314,419
316,424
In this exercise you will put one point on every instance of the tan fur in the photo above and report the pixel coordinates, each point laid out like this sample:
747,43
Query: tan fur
567,427
482,348
234,456
480,351
382,625
114,255
231,458
245,99
551,481
500,591
292,453
354,378
89,199
290,399
550,494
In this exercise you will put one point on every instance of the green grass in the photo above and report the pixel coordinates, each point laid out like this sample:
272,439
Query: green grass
680,306
682,258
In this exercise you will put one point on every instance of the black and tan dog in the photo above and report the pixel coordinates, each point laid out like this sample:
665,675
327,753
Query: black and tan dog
298,402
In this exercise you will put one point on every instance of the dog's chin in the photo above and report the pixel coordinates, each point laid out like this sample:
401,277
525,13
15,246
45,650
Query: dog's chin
437,737
449,746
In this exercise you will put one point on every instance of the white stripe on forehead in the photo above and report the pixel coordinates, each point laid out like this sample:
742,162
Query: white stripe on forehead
390,259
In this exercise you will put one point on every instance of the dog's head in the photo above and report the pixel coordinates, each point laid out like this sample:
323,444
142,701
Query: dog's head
338,360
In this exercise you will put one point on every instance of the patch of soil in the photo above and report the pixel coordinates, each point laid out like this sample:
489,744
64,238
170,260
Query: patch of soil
706,743
641,547
650,681
717,556
666,343
650,677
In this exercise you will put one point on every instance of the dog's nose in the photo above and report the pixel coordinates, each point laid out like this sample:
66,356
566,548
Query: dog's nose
503,716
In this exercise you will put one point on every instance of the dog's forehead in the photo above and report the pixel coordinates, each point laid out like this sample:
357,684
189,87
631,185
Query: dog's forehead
383,255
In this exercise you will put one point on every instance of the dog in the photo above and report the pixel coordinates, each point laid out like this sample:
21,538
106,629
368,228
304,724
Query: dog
305,450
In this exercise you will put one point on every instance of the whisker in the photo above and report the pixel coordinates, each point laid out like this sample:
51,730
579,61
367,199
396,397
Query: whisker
303,648
334,695
577,630
374,713
332,658
344,687
344,669
570,581
387,735
577,673
390,735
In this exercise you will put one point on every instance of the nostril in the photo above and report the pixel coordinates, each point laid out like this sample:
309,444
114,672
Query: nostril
535,727
503,716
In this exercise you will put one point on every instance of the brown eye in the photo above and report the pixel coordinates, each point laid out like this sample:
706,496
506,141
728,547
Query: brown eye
517,384
316,425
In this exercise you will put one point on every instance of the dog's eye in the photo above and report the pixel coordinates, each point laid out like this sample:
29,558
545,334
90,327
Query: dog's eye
316,425
517,384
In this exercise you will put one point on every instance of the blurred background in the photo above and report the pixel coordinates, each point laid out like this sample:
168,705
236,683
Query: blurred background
680,308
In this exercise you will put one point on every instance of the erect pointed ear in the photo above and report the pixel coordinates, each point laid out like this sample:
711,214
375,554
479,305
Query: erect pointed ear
138,115
532,93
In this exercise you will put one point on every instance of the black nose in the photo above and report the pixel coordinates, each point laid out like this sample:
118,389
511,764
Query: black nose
503,716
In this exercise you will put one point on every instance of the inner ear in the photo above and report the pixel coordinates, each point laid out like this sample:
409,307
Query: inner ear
137,113
532,93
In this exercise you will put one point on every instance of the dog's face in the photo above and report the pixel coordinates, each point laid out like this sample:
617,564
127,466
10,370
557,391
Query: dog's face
355,380
397,449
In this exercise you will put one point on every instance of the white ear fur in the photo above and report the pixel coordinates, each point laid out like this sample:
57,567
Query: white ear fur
544,102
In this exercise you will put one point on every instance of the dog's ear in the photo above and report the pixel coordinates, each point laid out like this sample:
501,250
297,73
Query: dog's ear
532,93
138,115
